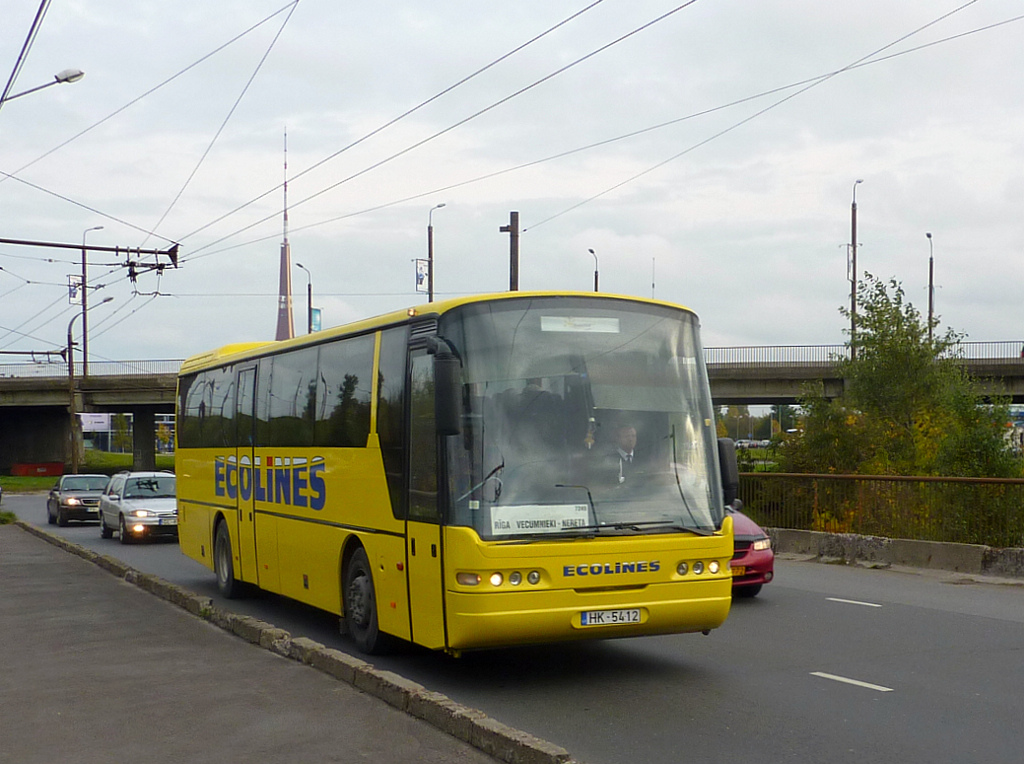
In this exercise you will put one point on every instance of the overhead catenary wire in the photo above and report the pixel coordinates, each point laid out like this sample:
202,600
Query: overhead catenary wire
223,124
748,119
461,122
400,117
155,88
37,22
608,141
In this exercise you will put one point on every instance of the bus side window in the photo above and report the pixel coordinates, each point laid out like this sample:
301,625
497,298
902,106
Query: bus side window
391,383
422,441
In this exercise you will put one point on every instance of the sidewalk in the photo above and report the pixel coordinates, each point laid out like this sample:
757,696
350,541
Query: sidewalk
95,669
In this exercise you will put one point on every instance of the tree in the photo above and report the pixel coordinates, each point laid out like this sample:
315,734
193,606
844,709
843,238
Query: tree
908,408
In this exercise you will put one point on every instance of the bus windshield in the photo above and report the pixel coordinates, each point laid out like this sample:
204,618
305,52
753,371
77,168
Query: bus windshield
582,416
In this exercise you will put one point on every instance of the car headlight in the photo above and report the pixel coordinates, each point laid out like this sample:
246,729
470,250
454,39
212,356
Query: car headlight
71,501
762,544
141,513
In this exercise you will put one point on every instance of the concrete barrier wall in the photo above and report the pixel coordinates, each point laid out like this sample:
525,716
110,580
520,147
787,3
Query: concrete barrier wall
849,547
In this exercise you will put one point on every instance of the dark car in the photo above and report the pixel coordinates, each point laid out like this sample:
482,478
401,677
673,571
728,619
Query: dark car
753,561
75,497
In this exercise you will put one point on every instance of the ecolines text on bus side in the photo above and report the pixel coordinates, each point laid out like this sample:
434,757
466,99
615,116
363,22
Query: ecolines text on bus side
289,481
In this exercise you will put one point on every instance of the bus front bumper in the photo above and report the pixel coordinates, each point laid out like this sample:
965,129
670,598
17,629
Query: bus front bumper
515,618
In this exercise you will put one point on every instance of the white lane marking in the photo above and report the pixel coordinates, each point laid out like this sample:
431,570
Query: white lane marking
846,680
853,602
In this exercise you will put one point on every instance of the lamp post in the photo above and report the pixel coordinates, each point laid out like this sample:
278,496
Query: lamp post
85,320
430,251
853,271
309,298
65,75
72,412
931,286
595,267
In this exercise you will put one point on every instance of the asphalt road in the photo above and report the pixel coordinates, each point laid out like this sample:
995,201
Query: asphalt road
828,664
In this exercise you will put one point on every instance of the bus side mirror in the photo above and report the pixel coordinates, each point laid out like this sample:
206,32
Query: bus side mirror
730,470
447,394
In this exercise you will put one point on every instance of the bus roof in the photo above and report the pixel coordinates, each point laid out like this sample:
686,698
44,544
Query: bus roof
241,350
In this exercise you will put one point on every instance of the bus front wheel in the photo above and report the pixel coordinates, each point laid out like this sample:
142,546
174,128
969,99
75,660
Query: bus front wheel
224,566
361,606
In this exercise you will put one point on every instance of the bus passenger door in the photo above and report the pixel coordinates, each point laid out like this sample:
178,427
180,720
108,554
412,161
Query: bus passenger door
247,570
423,523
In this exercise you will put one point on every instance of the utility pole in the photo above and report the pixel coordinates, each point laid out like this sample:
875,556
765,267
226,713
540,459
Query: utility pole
512,229
853,274
931,287
85,307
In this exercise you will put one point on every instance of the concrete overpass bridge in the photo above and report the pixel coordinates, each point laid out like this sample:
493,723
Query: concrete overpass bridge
35,397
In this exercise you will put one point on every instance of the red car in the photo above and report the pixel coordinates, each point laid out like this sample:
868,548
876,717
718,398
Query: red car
753,561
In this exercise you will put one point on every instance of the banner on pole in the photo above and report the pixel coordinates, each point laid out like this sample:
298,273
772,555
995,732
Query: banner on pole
422,275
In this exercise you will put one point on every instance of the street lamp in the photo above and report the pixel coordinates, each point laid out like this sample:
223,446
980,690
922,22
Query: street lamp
595,267
85,291
430,251
309,298
853,271
71,385
65,75
931,286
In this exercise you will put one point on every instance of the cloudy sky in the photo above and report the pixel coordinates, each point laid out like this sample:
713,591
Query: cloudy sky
706,151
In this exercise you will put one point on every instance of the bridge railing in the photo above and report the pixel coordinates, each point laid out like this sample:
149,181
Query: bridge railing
96,369
752,355
987,511
808,355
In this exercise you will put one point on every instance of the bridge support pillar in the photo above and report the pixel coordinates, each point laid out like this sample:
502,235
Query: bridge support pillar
144,438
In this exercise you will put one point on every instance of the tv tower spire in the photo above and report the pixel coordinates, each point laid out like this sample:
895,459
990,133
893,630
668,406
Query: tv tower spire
285,324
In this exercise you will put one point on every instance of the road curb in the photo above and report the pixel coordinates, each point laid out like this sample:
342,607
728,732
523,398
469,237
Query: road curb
461,722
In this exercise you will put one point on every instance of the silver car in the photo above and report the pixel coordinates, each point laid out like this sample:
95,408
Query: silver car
139,505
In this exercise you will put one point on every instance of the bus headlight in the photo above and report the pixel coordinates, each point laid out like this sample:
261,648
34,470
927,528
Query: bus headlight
533,577
515,578
467,579
682,568
698,568
496,579
713,566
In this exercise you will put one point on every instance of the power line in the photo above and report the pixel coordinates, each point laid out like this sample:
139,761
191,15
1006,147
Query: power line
750,118
152,90
608,141
461,122
25,48
223,124
400,117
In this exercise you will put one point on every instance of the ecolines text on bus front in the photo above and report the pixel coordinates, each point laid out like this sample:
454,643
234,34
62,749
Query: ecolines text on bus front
290,481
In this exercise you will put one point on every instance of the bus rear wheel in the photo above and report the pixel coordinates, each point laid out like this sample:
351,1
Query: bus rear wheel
361,606
224,566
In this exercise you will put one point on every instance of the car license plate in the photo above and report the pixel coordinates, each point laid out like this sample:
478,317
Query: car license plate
738,570
609,617
168,521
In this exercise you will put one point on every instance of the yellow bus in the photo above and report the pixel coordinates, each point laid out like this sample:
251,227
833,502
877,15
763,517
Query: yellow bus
503,469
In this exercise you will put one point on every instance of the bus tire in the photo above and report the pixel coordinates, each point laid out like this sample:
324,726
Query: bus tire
224,566
361,606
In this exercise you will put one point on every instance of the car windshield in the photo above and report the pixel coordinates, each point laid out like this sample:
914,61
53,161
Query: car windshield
155,487
84,483
582,416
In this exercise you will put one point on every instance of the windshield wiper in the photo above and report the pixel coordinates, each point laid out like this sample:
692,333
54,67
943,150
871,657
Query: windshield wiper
482,483
590,498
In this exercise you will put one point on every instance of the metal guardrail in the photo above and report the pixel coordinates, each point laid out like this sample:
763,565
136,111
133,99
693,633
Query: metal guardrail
988,511
96,369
